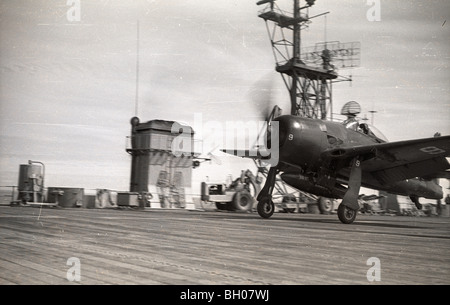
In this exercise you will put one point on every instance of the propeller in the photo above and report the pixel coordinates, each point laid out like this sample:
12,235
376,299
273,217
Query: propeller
263,102
262,97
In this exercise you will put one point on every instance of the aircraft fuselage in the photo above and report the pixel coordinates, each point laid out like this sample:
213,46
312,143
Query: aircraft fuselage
301,144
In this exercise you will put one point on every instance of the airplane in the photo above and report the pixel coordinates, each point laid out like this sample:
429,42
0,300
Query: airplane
335,159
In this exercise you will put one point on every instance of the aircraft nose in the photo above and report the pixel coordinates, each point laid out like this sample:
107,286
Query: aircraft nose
282,134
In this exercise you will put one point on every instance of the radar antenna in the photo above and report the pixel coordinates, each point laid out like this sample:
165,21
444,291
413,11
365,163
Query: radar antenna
307,73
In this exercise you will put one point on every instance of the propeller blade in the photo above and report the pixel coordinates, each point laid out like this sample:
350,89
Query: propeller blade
265,134
262,97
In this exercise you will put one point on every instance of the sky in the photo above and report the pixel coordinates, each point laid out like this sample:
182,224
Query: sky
68,83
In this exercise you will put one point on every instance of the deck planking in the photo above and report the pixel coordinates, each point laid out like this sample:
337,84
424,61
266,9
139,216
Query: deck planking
165,247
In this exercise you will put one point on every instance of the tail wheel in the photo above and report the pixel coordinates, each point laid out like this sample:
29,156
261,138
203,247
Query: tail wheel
345,214
243,201
265,207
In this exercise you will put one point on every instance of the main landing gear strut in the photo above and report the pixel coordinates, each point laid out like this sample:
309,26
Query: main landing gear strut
265,205
415,199
349,206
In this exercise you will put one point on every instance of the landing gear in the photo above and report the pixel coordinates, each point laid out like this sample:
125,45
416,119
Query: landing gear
346,215
265,207
349,207
415,199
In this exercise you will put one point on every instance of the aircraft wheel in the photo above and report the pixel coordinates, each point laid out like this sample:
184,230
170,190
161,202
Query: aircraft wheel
243,201
345,214
265,207
325,205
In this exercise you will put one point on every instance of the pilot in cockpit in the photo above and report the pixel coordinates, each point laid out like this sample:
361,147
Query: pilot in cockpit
364,128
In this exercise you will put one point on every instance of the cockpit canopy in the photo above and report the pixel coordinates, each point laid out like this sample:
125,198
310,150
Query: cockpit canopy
366,129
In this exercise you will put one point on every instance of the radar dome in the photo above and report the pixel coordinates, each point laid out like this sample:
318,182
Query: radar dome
351,108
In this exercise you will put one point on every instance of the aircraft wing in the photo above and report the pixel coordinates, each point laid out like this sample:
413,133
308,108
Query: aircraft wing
395,161
438,175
